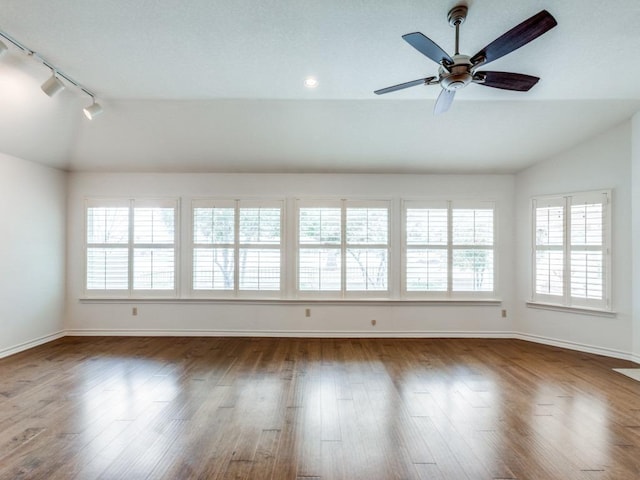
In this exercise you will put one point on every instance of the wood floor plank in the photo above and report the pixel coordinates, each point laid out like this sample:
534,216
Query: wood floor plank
293,408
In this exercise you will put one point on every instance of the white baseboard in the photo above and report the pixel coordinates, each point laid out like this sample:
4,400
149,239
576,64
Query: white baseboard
284,333
581,347
30,344
607,352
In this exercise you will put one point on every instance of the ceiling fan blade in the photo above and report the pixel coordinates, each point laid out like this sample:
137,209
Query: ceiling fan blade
515,38
427,47
444,101
413,83
505,80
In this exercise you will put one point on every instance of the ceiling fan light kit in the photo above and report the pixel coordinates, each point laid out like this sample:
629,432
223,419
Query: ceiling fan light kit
458,71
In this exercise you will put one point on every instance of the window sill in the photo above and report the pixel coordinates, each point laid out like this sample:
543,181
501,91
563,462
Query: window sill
579,310
268,301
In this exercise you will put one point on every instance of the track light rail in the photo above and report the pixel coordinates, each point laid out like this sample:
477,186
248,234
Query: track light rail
56,72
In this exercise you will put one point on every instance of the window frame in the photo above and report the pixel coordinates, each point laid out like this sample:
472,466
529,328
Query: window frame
566,202
237,204
343,246
289,249
450,247
131,203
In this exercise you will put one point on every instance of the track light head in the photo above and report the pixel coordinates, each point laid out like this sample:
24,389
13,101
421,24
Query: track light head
92,110
53,85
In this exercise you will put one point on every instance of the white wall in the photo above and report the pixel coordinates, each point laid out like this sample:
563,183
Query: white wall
635,236
32,253
603,162
250,318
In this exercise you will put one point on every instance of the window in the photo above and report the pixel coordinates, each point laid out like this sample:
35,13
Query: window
448,249
131,247
335,249
320,249
571,249
343,246
237,247
108,248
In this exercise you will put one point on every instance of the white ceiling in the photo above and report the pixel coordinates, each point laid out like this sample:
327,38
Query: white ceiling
217,85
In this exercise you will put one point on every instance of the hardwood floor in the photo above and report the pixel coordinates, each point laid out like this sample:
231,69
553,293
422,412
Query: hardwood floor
261,408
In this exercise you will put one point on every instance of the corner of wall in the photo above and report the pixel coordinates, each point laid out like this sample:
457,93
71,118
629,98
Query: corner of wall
33,207
635,233
603,161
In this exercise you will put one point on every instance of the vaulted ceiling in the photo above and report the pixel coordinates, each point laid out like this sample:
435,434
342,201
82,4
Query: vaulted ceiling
217,85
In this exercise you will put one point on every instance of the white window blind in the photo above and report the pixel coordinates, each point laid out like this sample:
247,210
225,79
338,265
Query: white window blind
154,249
214,247
367,233
107,248
319,254
343,246
259,254
571,249
426,249
237,246
131,246
472,248
448,248
549,244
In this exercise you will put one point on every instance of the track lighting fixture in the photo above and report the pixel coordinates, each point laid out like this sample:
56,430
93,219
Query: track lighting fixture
93,110
54,84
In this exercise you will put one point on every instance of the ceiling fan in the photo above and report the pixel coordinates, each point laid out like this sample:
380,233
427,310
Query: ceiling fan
460,70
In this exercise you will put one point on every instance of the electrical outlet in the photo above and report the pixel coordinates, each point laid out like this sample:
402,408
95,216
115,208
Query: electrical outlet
504,314
373,323
307,312
134,311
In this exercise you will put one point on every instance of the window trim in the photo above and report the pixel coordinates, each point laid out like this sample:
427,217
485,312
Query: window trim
450,205
237,204
343,246
289,248
566,300
132,203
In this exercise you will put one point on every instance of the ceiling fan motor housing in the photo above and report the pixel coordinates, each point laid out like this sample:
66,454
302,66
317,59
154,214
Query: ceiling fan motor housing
458,75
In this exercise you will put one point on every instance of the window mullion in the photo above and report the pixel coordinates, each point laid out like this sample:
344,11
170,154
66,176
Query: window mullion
131,245
534,250
343,248
566,244
236,248
449,249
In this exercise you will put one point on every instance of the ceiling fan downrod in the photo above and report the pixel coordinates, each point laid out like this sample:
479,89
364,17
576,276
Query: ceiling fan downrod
457,16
